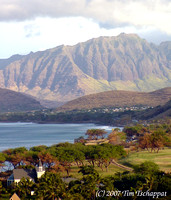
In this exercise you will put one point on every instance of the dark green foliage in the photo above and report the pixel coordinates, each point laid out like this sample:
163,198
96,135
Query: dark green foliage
133,130
148,167
50,186
38,148
146,177
87,170
24,188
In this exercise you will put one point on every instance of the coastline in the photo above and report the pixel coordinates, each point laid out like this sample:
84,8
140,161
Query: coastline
19,134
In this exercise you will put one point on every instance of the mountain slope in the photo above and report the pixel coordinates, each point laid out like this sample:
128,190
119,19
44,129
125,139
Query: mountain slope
158,112
118,99
11,101
125,62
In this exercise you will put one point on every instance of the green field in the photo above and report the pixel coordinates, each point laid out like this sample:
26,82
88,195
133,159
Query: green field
111,171
162,158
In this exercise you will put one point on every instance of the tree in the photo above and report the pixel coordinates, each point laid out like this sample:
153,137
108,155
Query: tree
154,141
50,186
48,160
81,139
150,170
38,148
79,156
15,156
91,155
147,167
135,130
95,133
86,170
65,158
31,158
145,141
103,155
15,159
24,188
88,185
108,153
117,137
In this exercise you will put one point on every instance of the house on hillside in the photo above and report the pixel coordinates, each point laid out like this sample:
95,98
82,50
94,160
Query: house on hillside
14,197
32,174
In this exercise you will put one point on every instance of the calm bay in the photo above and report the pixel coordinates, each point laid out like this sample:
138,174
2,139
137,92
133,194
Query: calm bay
14,135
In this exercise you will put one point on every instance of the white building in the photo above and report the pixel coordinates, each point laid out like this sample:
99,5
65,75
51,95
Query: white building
32,174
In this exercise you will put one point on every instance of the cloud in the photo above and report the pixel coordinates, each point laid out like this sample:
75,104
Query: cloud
45,32
108,13
31,30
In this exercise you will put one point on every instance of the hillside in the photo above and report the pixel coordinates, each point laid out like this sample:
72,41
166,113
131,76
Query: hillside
11,101
119,99
158,112
124,62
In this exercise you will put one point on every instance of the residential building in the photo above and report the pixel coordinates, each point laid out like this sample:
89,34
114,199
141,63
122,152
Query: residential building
32,174
14,197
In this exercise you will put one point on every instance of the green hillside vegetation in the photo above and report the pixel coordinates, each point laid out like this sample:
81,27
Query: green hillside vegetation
155,113
11,101
118,99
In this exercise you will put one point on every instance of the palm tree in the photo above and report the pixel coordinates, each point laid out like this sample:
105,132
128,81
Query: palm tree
50,186
24,187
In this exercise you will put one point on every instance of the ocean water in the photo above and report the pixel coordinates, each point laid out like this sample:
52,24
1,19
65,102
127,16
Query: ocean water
14,135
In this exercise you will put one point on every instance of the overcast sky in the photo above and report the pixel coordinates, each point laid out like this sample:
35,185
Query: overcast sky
33,25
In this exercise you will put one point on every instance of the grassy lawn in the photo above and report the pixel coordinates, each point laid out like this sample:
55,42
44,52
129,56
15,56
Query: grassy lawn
162,158
111,170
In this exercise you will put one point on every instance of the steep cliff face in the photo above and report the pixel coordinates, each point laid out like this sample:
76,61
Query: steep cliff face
107,63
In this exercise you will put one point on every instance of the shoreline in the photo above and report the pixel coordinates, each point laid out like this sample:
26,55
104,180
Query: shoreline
29,134
76,122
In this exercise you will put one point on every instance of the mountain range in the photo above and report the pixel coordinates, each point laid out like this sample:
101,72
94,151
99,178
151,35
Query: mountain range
63,73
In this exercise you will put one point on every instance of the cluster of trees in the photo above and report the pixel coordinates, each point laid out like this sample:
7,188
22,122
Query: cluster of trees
95,133
145,177
153,141
62,156
152,137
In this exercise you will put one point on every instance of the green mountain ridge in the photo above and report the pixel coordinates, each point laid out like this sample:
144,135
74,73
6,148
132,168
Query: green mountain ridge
124,62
